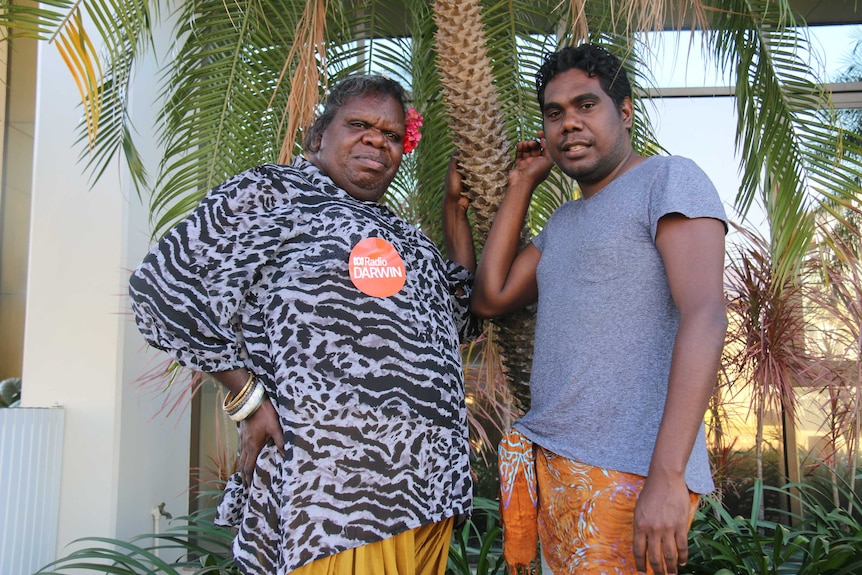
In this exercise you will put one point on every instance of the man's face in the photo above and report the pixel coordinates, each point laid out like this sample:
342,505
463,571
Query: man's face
361,148
587,136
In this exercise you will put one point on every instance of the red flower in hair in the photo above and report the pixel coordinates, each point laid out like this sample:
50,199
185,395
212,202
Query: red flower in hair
412,123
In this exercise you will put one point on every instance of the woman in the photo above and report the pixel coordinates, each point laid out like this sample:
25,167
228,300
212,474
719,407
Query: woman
335,327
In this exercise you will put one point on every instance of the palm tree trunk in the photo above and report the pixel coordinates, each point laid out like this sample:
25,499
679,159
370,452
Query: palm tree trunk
476,120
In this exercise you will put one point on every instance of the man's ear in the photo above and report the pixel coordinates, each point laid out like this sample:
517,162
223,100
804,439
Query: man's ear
627,112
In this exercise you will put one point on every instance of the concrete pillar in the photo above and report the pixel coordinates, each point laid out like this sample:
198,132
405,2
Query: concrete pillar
81,351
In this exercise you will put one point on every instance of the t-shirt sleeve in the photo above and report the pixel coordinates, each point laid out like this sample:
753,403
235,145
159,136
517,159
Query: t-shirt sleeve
539,240
187,291
686,190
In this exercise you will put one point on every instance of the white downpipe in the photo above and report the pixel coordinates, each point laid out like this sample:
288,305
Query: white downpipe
157,513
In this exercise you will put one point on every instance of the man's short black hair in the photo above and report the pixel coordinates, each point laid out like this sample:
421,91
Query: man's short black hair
356,85
596,61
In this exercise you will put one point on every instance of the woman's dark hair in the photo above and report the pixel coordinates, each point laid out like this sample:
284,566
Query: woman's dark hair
358,85
596,61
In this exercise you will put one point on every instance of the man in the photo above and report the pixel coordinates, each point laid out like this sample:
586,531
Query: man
630,325
334,326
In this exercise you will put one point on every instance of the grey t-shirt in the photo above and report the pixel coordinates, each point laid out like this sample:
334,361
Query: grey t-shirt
606,321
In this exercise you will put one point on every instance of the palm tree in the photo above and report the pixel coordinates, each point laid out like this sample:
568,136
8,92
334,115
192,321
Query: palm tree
245,77
764,355
836,295
476,119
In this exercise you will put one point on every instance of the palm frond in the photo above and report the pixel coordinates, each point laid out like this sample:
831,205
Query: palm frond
583,19
79,55
115,130
517,42
519,36
220,116
309,51
99,42
202,546
39,21
227,89
786,131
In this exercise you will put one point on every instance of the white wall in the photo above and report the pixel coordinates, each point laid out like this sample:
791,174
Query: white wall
81,350
154,445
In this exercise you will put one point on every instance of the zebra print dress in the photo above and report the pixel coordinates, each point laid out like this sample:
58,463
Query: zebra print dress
368,388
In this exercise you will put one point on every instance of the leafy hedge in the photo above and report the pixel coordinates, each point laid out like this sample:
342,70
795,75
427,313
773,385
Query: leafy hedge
827,540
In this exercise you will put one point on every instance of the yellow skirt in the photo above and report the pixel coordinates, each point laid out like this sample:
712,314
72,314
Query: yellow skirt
420,551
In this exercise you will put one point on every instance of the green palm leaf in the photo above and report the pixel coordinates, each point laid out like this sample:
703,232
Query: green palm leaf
226,94
120,31
40,21
786,135
221,115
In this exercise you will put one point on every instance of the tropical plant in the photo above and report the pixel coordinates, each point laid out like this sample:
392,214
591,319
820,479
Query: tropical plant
197,545
851,118
726,545
826,542
836,302
764,356
243,78
477,546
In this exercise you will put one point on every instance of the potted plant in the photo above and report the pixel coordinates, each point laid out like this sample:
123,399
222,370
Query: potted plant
10,392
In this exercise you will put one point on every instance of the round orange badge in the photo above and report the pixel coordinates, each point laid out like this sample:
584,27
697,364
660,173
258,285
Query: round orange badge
376,268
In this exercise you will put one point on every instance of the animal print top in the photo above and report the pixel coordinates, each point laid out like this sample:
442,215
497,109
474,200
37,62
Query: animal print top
368,389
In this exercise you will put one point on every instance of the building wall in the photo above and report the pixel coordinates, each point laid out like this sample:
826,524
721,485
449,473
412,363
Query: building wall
121,458
19,75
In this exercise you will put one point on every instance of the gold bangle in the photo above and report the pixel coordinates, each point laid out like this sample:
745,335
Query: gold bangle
230,405
255,400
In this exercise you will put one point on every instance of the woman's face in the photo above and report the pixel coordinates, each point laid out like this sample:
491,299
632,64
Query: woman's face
361,148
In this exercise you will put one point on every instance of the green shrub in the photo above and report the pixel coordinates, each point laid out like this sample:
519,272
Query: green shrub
825,541
205,549
477,546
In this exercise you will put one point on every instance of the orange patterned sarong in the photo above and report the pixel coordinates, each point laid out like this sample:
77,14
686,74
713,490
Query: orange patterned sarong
586,516
518,502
